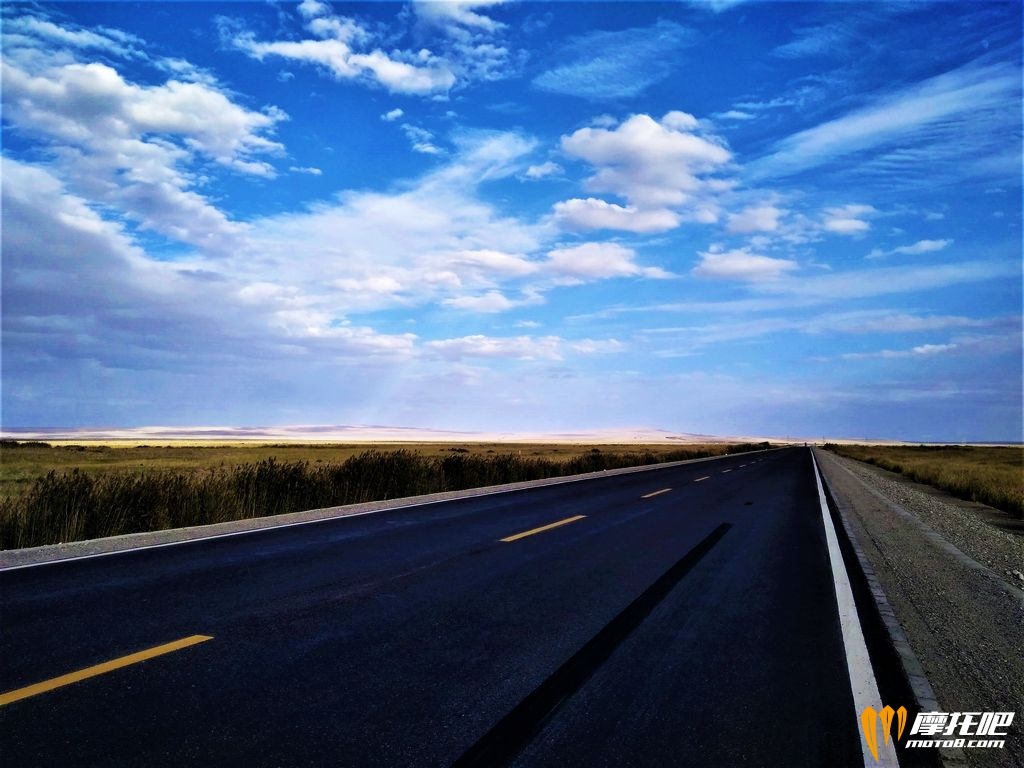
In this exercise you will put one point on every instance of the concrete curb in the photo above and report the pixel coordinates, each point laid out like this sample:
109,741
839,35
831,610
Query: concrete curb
913,673
12,559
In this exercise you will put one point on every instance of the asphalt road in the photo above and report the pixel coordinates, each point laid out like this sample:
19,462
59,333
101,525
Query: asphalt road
692,627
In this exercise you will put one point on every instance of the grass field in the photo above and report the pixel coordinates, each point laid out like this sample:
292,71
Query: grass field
23,463
990,475
51,494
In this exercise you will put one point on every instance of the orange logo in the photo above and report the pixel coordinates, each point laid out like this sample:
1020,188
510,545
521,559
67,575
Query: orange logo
869,724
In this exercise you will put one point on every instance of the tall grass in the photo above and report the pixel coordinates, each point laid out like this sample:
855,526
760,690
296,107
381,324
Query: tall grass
989,475
74,505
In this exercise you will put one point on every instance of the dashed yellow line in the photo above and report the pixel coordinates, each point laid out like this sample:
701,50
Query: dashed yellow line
99,669
655,493
543,528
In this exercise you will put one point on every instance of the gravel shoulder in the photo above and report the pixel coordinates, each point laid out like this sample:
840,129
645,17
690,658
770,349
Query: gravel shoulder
950,573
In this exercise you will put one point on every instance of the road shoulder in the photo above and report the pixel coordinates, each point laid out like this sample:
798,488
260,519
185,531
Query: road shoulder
947,576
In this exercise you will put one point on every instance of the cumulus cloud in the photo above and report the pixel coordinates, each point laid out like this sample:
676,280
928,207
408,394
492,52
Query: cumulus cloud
83,300
496,262
490,302
646,161
741,264
758,218
343,48
391,116
308,170
131,146
660,167
596,261
542,170
457,13
848,219
593,213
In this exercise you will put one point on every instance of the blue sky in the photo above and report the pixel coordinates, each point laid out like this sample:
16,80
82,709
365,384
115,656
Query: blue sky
718,217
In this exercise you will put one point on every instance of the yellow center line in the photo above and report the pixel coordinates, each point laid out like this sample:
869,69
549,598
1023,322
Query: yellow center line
655,493
99,669
543,528
701,479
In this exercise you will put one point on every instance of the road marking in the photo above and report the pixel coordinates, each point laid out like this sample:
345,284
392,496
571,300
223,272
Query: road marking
543,528
742,466
476,493
99,669
655,493
726,470
858,663
701,479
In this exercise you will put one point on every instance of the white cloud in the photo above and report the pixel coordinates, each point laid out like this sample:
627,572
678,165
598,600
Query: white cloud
513,348
882,281
923,350
496,262
541,171
735,114
650,163
131,146
86,301
490,302
98,38
597,346
895,119
604,65
421,139
432,238
848,219
338,46
660,168
457,13
597,261
923,246
468,50
758,218
309,170
521,347
741,264
394,114
592,213
885,322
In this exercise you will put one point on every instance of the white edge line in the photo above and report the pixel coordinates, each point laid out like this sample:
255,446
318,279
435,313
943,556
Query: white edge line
247,531
858,663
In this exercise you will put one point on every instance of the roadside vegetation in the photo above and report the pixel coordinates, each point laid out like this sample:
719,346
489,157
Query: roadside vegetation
987,474
50,498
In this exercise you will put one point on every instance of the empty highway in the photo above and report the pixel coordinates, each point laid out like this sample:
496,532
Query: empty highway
680,616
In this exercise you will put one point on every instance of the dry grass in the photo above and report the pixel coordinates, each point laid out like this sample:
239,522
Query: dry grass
990,475
62,494
22,463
